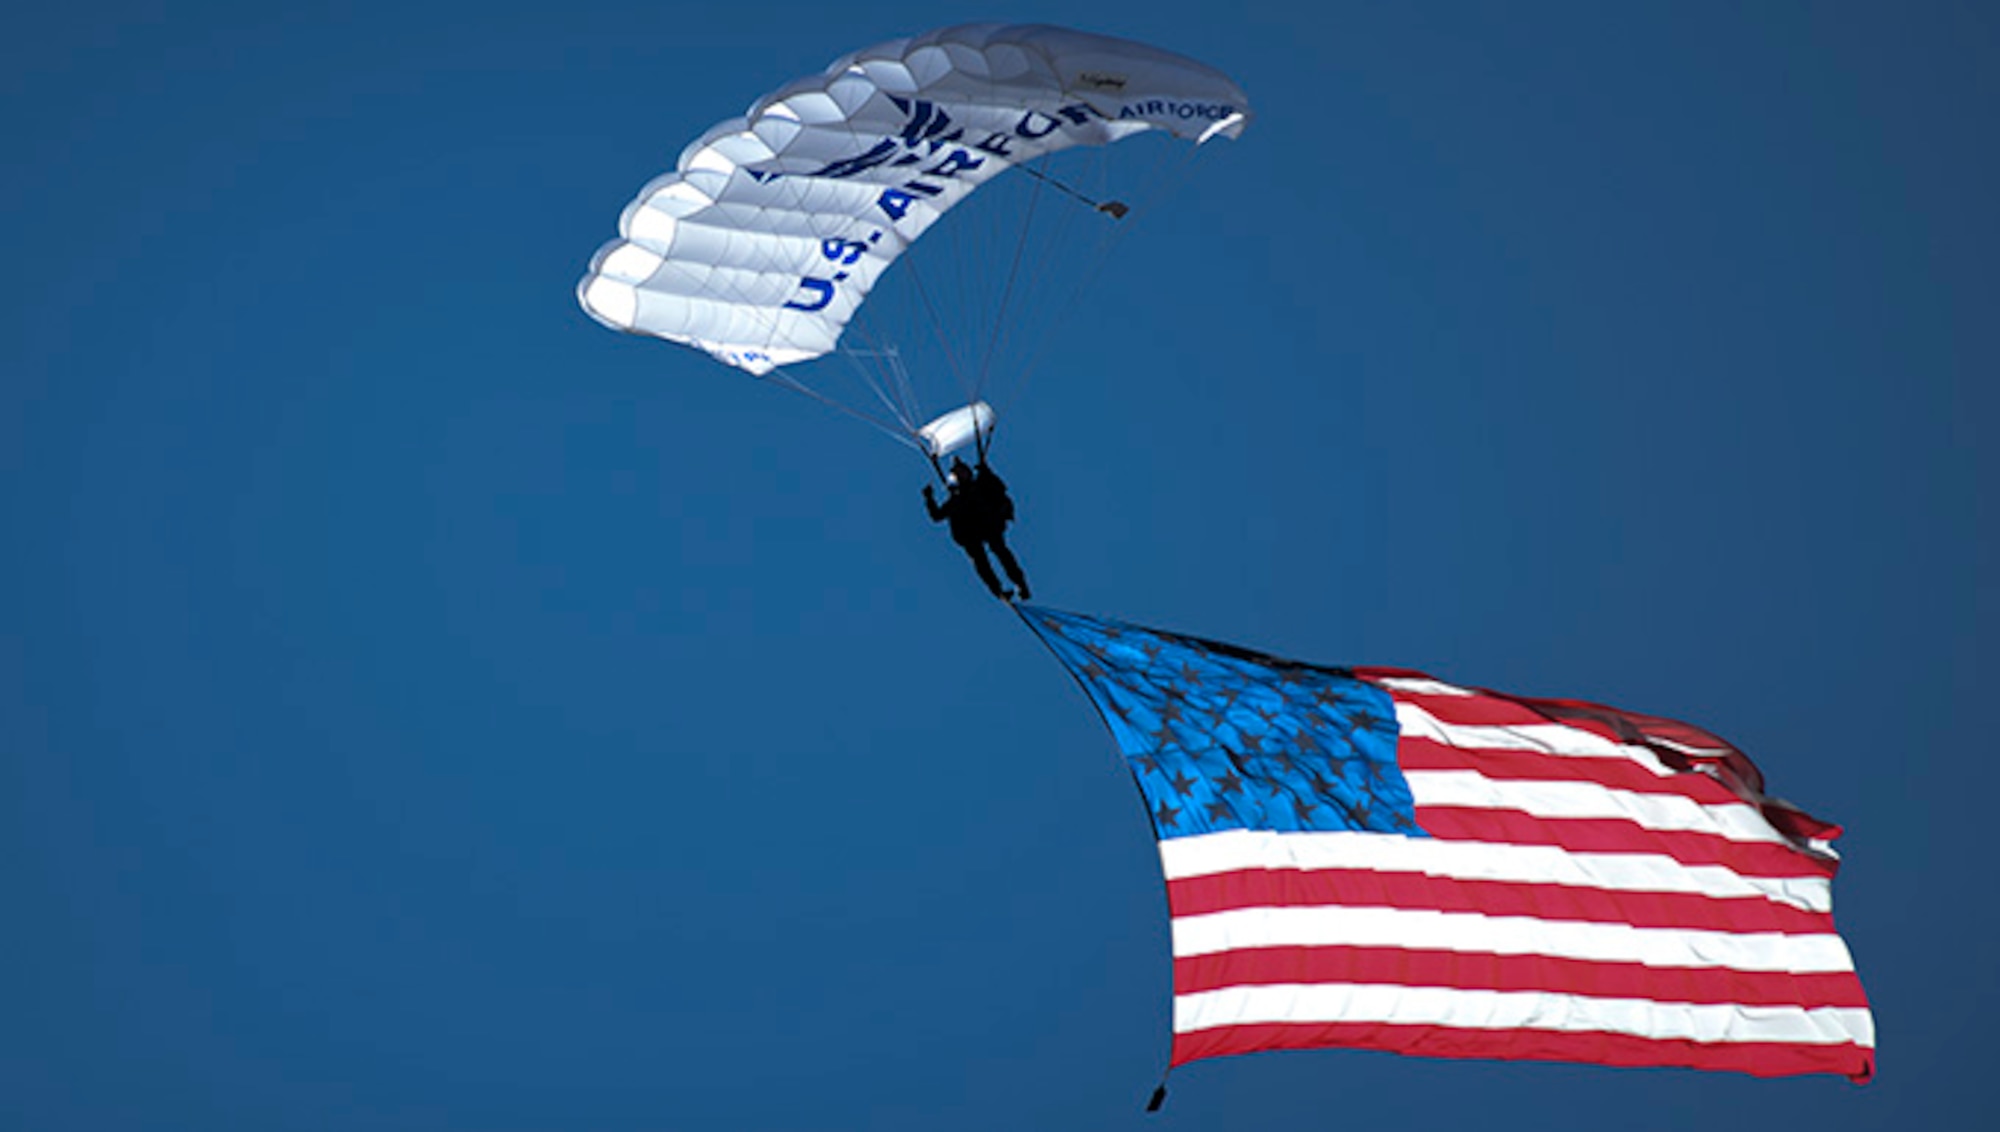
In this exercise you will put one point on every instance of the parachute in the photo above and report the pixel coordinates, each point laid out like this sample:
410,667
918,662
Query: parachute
773,229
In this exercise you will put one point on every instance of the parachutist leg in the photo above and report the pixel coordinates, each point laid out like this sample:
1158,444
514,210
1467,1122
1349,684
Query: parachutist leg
1007,563
977,552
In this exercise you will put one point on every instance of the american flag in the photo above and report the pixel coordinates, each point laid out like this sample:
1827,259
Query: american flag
1371,858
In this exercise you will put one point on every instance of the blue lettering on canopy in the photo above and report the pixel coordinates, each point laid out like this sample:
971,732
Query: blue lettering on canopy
930,128
927,119
1156,108
1029,127
861,163
822,295
895,203
959,160
843,252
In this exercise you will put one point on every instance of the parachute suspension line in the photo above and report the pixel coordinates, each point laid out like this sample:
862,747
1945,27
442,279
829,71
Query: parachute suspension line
1115,209
999,327
906,392
902,407
879,383
985,316
777,376
881,369
899,373
1061,231
1041,239
769,323
1166,174
1089,265
1054,233
789,382
1055,241
937,325
888,379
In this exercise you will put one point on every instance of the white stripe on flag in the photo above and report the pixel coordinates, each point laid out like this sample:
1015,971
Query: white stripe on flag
1541,738
1478,934
1527,1010
1559,799
1240,849
1421,687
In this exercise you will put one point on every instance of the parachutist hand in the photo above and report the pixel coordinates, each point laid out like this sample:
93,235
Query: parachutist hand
927,491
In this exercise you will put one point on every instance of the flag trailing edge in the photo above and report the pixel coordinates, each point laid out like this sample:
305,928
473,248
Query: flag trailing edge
1372,858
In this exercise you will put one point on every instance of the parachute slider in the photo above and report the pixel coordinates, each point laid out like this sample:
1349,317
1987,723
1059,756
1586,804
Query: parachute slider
958,428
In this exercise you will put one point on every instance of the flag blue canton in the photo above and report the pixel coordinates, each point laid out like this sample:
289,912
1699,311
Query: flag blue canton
1222,738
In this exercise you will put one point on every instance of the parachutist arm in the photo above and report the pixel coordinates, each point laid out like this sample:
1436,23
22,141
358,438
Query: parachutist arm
931,505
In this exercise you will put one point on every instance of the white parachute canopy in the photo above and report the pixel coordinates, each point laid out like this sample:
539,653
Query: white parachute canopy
773,228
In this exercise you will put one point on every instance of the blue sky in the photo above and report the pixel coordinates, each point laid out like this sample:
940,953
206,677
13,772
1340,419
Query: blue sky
422,708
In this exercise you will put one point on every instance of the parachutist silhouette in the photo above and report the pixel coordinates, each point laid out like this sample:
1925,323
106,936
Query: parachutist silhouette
979,509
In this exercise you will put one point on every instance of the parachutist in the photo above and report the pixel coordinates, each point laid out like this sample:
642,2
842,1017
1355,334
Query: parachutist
978,507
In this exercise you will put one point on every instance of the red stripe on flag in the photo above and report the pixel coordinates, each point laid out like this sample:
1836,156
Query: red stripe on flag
1414,752
1612,835
1393,966
1471,711
1757,1058
1366,888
